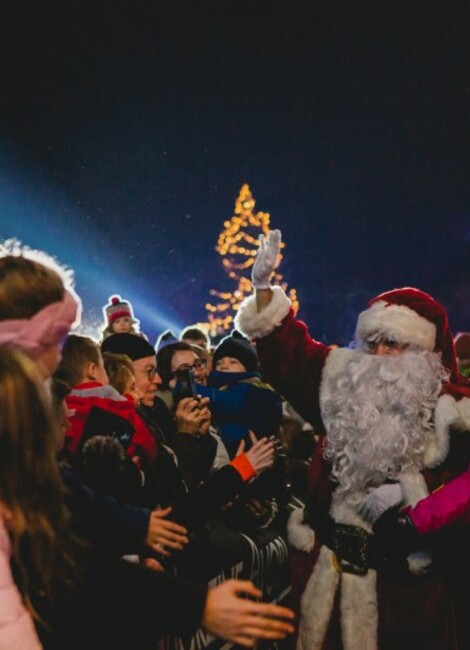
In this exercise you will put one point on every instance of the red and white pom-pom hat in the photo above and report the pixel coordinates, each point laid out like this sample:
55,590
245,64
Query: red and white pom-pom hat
116,308
413,317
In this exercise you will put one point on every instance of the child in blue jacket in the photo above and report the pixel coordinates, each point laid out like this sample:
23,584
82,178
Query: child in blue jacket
239,400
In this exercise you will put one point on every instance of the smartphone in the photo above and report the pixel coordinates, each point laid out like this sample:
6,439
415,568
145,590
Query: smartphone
185,385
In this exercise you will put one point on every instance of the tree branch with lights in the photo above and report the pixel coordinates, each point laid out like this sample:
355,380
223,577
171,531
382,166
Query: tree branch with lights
238,245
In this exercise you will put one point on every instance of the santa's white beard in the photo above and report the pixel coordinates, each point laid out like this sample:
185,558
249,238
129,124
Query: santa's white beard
379,418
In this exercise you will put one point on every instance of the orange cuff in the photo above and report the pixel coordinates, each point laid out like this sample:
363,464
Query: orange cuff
243,466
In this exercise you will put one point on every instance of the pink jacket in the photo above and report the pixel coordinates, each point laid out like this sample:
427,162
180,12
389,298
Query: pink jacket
17,630
444,507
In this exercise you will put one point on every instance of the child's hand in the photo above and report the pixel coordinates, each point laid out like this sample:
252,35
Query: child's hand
261,454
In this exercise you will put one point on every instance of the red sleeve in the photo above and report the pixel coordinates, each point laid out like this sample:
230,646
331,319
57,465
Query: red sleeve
320,487
293,362
144,439
243,466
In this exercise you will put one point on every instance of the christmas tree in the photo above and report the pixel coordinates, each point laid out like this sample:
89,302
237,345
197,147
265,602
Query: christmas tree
237,245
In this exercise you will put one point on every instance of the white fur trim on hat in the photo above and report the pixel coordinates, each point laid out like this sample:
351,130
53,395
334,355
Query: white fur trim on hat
299,534
255,324
398,322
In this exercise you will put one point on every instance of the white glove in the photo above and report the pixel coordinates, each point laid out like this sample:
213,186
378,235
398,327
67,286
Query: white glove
266,259
380,500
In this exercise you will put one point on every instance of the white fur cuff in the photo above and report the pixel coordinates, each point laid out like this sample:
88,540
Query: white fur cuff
255,324
299,535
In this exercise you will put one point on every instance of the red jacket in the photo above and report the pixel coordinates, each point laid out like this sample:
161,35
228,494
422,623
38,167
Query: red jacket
81,400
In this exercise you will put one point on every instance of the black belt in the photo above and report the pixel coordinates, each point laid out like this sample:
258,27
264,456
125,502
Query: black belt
353,548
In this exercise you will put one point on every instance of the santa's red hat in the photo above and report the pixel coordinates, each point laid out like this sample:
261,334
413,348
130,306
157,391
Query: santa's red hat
413,317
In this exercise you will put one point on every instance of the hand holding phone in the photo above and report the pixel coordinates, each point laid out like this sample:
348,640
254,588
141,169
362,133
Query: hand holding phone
192,415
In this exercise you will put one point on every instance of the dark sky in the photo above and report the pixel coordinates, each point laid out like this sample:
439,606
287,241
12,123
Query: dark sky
128,127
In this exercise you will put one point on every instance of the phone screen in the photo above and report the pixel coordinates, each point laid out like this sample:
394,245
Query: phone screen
185,386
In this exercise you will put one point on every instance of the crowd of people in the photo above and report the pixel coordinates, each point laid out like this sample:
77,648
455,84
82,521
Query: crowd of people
264,489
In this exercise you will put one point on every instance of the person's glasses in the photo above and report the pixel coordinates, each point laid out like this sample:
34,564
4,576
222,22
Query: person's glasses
150,372
199,364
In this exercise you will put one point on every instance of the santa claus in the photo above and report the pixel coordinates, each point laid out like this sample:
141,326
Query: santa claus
393,410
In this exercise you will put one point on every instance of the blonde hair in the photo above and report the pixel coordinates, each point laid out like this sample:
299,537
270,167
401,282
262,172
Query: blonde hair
31,489
119,368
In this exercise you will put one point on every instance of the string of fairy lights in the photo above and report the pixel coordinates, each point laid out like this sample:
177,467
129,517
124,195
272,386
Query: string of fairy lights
237,245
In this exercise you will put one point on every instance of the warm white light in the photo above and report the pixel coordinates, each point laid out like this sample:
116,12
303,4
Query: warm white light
238,247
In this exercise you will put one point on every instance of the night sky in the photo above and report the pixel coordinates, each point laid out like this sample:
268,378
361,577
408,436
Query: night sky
128,127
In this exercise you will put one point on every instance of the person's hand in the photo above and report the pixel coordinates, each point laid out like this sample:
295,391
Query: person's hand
379,500
261,454
266,259
152,563
229,615
163,534
206,416
192,414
